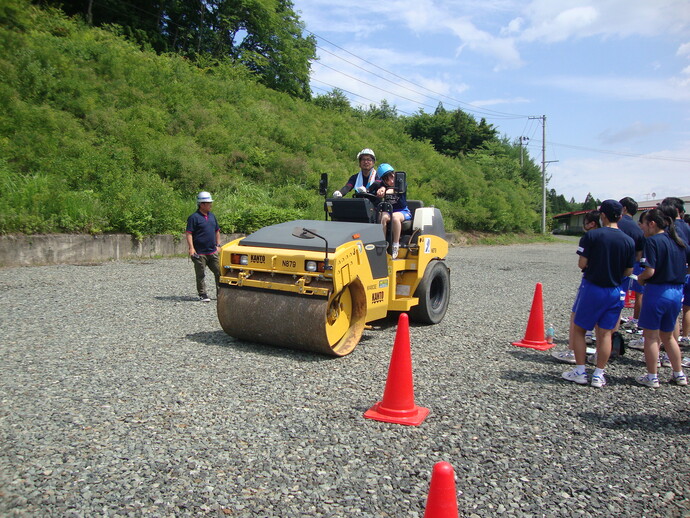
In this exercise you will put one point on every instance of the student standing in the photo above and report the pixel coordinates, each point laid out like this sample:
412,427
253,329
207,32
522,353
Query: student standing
665,264
606,257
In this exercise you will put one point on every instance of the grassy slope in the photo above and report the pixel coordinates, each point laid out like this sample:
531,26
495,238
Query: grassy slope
97,135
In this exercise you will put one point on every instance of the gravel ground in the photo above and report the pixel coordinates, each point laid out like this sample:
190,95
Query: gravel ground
121,396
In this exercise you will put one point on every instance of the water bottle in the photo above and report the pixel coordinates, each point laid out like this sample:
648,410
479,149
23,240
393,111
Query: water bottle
550,333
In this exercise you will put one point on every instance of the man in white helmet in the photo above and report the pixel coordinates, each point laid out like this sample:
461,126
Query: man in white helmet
366,176
203,241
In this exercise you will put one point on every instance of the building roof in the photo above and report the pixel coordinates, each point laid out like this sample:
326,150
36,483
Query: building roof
641,206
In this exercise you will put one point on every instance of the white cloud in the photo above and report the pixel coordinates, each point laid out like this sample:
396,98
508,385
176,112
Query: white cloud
513,27
566,19
626,176
494,102
563,26
633,132
622,88
684,50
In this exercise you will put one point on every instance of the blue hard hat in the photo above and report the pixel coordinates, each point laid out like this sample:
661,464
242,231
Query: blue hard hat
384,169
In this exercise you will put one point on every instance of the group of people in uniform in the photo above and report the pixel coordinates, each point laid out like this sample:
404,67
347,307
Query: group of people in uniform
653,260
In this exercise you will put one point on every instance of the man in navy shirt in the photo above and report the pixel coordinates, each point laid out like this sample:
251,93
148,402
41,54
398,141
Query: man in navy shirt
203,241
606,258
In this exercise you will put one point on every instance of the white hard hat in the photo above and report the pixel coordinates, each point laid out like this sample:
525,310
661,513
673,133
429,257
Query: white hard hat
204,197
366,151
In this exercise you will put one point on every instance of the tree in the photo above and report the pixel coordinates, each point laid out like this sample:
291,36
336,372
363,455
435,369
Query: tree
383,111
453,133
333,100
264,35
590,203
557,202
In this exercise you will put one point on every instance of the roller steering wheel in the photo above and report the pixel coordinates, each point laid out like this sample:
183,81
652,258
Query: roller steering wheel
367,196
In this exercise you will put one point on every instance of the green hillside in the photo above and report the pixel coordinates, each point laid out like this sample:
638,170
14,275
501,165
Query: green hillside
97,135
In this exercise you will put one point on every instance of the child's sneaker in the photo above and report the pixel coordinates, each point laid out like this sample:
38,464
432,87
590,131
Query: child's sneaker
565,356
598,381
576,377
648,382
681,380
394,251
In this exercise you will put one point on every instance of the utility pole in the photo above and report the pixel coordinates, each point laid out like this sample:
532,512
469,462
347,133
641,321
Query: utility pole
543,172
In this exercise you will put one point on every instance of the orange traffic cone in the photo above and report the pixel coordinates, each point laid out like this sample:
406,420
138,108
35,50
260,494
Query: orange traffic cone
442,501
398,397
629,299
534,336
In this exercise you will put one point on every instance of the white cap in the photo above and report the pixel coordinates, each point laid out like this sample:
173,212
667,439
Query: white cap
366,151
204,197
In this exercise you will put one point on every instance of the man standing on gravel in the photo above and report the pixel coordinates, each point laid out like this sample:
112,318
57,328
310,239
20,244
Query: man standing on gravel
606,258
203,241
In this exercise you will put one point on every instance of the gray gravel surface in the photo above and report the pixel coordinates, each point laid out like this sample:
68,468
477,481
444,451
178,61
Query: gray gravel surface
121,396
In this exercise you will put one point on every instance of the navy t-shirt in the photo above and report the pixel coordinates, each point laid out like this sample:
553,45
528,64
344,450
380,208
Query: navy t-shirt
203,230
628,225
667,258
609,252
683,230
397,200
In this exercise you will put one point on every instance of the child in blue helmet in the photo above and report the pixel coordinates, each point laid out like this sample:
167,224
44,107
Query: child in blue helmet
384,189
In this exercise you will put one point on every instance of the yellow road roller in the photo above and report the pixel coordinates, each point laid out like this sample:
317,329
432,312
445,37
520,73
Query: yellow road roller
314,285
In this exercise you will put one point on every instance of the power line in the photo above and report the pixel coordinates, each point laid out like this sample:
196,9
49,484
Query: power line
374,86
486,111
619,153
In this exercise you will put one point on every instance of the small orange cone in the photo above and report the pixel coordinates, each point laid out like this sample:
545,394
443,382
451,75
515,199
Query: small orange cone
442,501
629,299
398,397
534,336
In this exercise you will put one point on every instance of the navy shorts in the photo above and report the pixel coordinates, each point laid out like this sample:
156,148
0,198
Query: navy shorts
598,305
577,295
407,215
660,307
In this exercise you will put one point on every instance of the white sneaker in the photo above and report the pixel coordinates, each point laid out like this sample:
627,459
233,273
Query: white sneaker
685,362
598,381
684,341
592,359
565,356
589,337
394,251
664,360
637,343
681,380
576,377
648,382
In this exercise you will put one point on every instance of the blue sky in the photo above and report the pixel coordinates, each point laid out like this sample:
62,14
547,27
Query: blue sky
612,78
